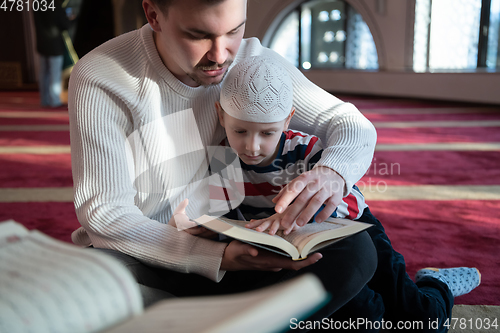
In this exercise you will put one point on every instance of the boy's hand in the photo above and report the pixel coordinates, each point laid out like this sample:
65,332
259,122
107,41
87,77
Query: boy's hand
182,222
179,217
273,223
310,190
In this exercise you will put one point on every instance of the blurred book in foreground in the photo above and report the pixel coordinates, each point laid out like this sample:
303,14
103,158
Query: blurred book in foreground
50,286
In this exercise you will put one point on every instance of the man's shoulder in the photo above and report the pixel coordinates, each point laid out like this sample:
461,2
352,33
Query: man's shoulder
114,55
120,67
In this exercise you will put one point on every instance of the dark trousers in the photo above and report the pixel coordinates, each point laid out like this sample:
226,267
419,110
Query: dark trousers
392,296
345,268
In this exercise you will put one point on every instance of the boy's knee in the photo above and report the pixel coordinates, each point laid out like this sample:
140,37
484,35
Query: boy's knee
367,255
362,256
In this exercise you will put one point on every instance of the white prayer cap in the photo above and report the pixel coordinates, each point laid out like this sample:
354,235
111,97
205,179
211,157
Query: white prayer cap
257,89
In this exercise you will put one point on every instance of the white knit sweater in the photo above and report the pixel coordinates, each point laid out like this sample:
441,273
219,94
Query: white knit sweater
137,138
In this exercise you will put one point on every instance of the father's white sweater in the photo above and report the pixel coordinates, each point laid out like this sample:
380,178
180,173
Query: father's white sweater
138,139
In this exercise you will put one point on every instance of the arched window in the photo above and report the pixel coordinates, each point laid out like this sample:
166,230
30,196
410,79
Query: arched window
325,34
456,34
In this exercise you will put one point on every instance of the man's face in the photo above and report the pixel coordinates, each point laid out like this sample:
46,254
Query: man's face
255,143
198,42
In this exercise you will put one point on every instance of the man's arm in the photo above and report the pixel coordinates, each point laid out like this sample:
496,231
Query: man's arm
106,196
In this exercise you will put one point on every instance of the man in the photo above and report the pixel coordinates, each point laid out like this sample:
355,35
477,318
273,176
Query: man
142,114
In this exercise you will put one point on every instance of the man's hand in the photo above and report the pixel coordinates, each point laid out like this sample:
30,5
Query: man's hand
310,190
239,256
273,223
182,222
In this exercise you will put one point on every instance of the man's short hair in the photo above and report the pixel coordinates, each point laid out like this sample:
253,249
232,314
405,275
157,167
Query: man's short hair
164,4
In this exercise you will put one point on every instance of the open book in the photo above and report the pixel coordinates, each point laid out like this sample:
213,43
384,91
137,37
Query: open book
297,244
50,286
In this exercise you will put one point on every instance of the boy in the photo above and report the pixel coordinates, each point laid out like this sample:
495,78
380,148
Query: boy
255,109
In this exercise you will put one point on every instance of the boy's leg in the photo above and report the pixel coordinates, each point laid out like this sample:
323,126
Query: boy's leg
426,301
363,313
345,269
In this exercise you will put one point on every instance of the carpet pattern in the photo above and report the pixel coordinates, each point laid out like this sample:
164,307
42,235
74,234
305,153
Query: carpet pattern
438,228
451,150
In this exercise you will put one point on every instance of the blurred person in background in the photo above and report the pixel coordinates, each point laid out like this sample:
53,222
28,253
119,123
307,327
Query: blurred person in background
49,25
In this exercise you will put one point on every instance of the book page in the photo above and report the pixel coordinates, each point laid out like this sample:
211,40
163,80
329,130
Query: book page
327,233
236,229
50,286
264,310
10,230
309,231
237,223
296,237
189,314
301,235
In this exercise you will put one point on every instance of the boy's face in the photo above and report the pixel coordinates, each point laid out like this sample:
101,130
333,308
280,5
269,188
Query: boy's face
255,143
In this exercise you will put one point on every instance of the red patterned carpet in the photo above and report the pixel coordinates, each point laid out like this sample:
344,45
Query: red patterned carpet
438,229
436,232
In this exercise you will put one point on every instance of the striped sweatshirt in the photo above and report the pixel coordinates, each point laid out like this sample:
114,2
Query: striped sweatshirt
139,140
297,152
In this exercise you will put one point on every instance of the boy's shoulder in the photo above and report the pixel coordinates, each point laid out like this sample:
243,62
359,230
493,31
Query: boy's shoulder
298,145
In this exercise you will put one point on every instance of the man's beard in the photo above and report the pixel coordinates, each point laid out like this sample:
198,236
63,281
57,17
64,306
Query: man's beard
208,67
